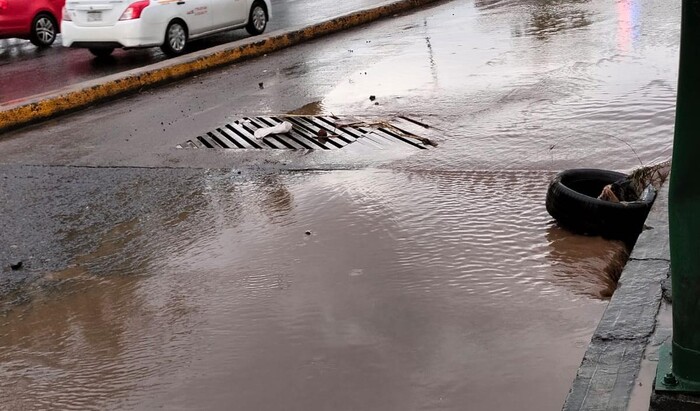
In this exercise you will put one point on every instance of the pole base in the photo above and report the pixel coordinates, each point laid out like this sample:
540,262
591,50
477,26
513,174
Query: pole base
666,381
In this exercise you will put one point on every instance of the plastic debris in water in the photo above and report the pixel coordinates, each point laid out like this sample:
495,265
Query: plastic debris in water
284,127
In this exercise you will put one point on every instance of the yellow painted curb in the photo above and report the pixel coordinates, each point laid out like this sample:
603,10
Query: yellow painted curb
91,92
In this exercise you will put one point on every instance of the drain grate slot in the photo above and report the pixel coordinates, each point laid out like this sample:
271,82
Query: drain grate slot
301,143
287,139
358,136
230,138
301,135
332,141
304,134
379,139
414,121
219,141
207,143
269,143
332,129
311,134
388,133
282,141
241,133
246,124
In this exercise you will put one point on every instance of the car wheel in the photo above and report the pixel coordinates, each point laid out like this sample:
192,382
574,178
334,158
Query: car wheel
175,38
44,29
101,52
257,20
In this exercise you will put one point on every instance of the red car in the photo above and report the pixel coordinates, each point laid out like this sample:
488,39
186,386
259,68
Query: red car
36,20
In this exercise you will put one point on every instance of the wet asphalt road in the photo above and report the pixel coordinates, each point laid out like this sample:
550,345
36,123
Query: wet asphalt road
21,64
165,277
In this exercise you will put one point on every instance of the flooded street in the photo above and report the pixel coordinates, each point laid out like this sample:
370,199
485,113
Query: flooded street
167,278
60,66
390,303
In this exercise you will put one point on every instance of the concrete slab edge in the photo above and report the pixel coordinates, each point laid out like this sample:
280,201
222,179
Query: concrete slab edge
610,366
47,106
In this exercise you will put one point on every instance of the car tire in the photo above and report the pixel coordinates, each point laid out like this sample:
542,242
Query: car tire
44,30
175,38
101,52
257,19
572,201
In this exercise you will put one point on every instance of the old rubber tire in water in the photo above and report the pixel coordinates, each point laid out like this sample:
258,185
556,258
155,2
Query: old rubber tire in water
572,201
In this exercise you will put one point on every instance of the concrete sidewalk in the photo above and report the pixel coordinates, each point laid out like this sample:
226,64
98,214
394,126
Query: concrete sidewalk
627,338
72,98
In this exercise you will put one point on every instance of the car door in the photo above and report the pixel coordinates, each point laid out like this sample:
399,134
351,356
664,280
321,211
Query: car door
16,16
229,12
198,15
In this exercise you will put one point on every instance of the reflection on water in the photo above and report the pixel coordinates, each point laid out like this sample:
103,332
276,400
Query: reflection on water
277,202
587,265
15,50
552,17
541,18
628,26
42,345
114,241
549,17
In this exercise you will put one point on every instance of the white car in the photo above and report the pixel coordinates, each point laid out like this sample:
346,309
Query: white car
103,25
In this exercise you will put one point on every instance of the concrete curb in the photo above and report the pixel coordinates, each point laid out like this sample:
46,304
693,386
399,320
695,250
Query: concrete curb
609,369
69,99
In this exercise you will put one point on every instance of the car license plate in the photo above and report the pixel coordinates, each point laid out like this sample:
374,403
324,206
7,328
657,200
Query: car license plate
94,16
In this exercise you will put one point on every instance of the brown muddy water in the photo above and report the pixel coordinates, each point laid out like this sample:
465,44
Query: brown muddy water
437,281
391,303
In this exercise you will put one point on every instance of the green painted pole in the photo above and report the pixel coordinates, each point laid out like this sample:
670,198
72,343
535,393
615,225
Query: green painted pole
684,204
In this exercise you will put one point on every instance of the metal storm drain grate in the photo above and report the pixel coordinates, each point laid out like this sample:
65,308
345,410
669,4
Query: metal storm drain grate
314,133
